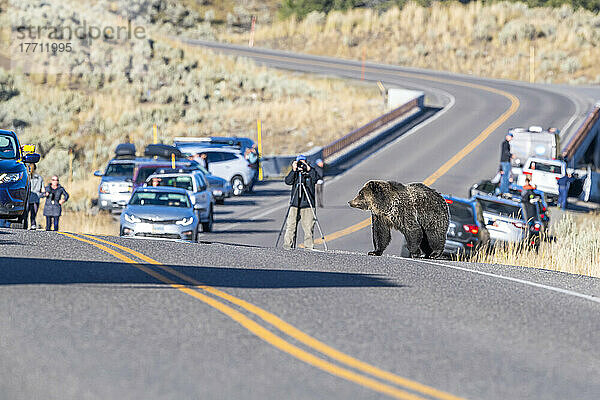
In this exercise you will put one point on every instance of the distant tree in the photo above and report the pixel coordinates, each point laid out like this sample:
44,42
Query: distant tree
303,7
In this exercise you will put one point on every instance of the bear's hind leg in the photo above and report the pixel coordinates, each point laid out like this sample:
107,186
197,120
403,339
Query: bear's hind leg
425,246
381,235
413,241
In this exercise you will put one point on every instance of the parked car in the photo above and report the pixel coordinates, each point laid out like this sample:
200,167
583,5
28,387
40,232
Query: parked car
467,231
511,221
197,188
164,212
116,185
221,189
488,188
544,175
148,167
14,178
230,165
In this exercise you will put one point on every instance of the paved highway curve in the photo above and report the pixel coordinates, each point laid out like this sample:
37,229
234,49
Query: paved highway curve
86,317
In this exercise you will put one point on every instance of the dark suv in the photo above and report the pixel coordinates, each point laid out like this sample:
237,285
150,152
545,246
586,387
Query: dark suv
14,178
467,231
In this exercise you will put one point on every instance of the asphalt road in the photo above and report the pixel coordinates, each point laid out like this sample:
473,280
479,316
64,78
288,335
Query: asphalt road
159,319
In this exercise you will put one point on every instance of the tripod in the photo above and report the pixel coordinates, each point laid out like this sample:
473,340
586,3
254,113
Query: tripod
300,187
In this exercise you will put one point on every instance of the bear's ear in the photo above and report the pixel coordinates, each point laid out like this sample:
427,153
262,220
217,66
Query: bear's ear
378,192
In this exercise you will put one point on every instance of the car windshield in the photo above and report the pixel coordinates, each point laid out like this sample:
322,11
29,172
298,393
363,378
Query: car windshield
183,182
502,209
461,212
144,173
160,199
8,148
120,169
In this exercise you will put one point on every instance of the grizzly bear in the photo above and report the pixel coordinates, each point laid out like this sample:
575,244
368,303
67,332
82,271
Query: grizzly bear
416,210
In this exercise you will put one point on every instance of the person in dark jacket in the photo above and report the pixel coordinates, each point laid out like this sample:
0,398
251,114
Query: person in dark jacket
505,157
56,195
36,183
320,166
563,189
251,155
300,204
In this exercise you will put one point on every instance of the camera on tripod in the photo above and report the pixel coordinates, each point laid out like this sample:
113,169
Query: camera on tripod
302,166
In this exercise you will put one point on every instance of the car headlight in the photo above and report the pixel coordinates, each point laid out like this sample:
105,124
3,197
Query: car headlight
217,192
104,188
12,177
131,218
185,221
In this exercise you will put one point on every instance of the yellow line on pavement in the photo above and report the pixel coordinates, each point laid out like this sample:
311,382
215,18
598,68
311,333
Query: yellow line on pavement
292,331
256,328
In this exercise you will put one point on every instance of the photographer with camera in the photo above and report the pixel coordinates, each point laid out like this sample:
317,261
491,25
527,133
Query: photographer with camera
303,179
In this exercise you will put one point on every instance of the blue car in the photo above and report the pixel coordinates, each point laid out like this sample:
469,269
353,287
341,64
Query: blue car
467,230
14,178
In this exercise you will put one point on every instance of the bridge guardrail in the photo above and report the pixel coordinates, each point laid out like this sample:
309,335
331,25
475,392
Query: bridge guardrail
276,166
370,127
581,134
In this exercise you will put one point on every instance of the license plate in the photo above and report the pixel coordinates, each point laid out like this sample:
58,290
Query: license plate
158,229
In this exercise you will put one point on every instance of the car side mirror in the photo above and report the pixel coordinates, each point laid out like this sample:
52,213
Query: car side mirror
98,173
202,188
198,206
31,158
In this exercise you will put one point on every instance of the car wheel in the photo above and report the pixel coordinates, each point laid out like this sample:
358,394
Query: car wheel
23,221
208,225
220,201
237,183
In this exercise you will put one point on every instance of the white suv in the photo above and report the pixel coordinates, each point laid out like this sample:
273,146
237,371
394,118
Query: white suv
231,165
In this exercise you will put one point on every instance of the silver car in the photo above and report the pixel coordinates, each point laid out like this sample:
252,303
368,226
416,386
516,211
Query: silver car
164,212
196,186
116,185
509,220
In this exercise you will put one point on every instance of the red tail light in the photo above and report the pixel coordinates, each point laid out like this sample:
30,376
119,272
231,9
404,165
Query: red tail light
544,209
542,216
474,229
449,201
527,173
537,227
469,245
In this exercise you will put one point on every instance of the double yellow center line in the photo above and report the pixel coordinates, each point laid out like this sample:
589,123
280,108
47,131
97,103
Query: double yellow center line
346,366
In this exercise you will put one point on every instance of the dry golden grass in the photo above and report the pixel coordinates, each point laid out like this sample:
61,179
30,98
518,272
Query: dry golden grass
576,248
488,40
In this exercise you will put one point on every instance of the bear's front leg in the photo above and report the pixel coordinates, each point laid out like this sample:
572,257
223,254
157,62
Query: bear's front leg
381,235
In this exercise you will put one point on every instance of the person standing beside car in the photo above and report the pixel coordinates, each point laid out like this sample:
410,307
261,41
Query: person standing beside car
505,157
564,182
36,184
56,196
251,156
320,166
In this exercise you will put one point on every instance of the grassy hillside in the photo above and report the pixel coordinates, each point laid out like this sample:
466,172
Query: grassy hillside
483,39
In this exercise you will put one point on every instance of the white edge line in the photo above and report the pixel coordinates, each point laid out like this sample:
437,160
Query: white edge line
517,280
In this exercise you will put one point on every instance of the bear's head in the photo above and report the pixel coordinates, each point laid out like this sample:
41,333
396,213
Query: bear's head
373,196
